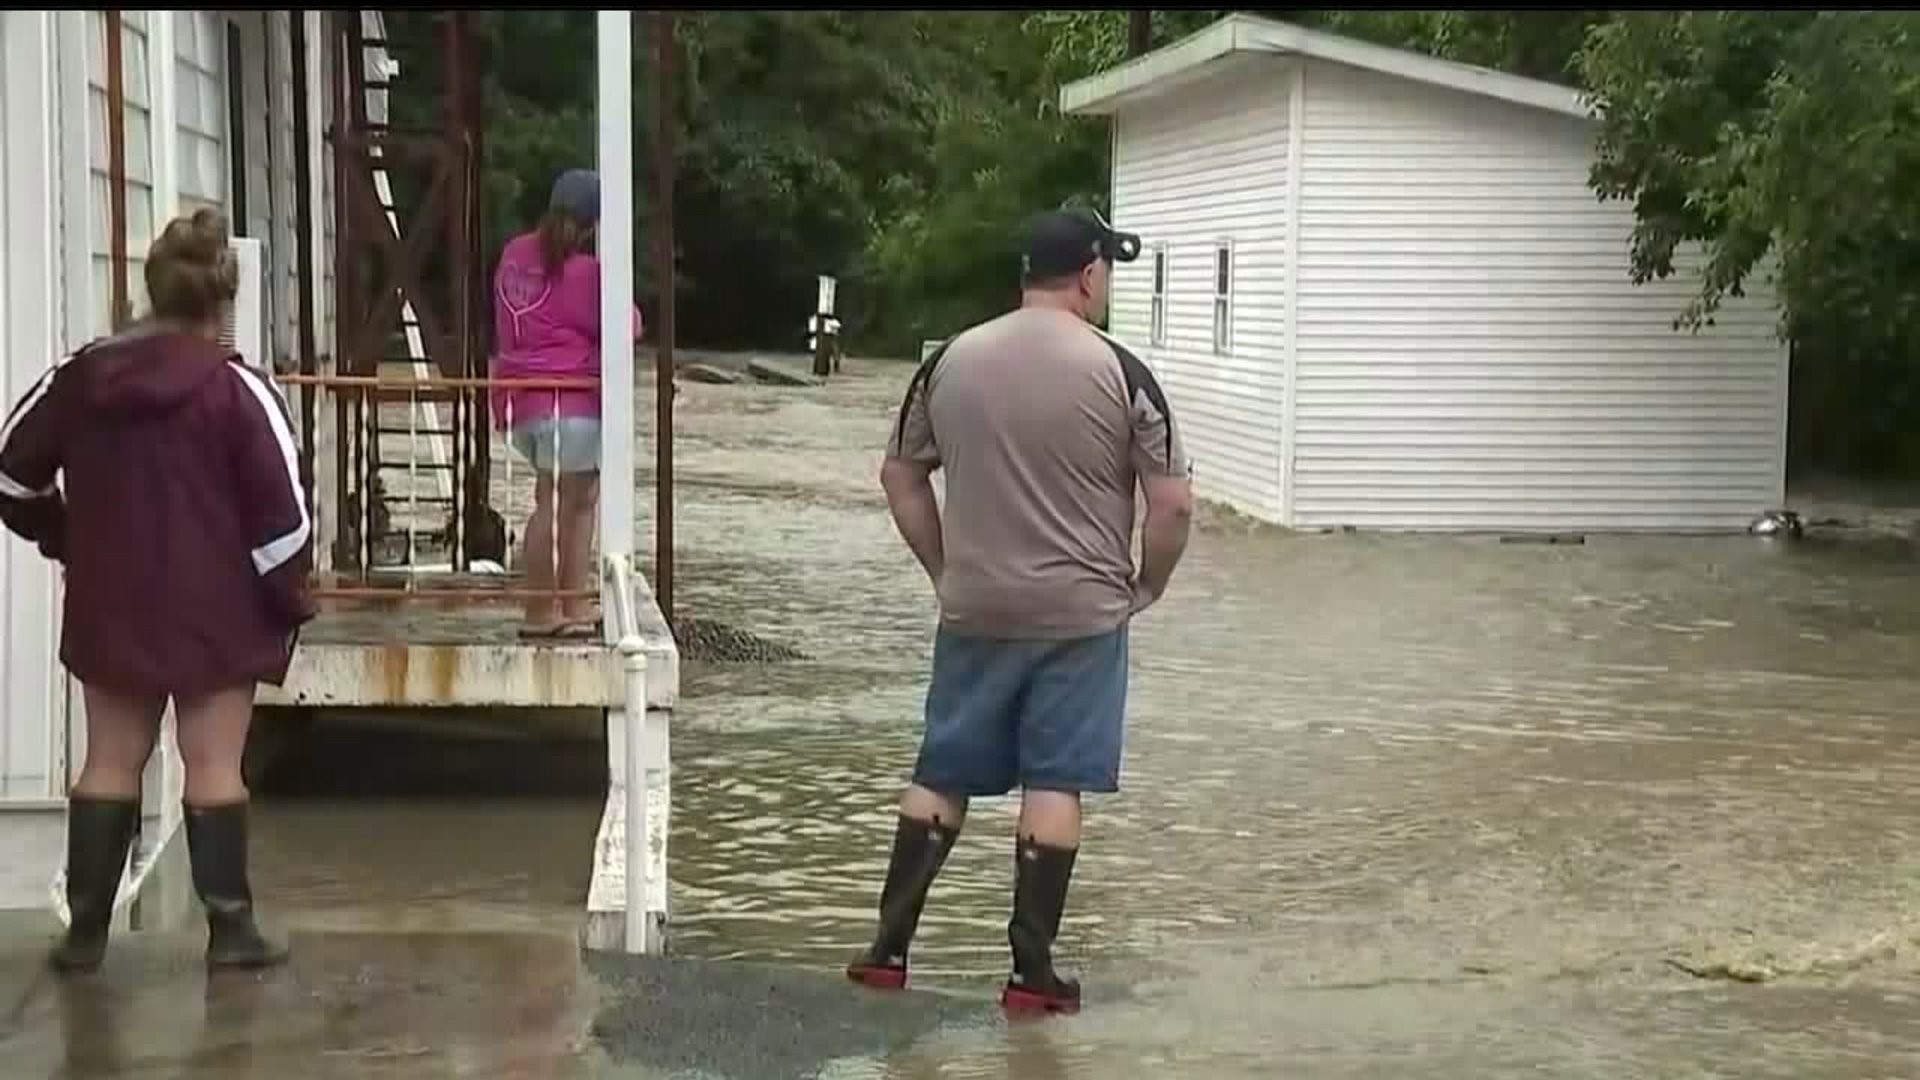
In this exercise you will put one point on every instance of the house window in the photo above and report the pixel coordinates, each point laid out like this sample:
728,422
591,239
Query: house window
1157,329
236,128
201,101
1223,298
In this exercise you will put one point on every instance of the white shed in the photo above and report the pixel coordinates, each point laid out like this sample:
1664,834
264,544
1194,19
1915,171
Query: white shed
1381,294
207,119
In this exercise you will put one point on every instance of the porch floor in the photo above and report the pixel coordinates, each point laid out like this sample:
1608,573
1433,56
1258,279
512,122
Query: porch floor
492,623
418,649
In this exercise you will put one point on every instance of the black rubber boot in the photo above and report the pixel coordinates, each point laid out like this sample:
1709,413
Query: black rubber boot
217,845
1039,899
99,834
920,849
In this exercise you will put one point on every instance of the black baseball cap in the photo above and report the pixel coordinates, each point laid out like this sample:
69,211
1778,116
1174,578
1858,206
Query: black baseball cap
1062,242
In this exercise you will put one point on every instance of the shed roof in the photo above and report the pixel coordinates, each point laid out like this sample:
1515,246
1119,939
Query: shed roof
1200,54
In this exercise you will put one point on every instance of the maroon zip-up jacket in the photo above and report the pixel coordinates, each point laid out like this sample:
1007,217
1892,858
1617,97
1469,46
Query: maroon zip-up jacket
161,471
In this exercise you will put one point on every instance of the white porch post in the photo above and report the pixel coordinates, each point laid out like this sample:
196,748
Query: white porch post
30,336
74,173
629,737
163,71
615,111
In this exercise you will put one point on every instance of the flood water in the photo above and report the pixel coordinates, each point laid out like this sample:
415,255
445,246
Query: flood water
1392,806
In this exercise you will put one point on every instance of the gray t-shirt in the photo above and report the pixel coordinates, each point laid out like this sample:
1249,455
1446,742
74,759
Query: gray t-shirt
1043,424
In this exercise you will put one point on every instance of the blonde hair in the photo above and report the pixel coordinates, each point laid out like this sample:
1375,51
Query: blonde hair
191,273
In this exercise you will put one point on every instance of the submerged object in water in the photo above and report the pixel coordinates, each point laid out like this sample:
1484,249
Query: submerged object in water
1777,523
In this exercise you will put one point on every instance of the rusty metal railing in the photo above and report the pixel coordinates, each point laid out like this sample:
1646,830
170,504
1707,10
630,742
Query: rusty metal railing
442,442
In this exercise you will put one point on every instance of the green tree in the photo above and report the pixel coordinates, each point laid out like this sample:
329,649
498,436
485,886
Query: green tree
1782,143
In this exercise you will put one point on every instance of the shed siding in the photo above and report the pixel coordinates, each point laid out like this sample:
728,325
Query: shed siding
1472,352
1210,165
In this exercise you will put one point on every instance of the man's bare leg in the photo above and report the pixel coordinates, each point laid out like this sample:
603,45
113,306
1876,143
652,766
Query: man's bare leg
1051,818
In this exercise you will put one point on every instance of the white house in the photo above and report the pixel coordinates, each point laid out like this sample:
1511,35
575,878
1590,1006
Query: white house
1381,295
206,119
112,122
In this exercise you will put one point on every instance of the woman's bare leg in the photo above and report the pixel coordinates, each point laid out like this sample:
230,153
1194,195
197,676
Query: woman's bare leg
578,515
120,735
212,732
541,611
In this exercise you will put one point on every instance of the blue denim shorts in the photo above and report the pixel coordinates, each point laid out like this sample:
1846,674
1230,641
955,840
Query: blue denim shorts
1040,715
571,441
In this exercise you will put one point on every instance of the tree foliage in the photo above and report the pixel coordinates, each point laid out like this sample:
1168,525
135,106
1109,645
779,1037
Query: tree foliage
901,151
1781,143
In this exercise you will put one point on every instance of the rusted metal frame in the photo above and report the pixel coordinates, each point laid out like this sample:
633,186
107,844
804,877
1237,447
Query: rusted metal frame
345,282
461,235
663,385
121,306
443,382
445,595
478,465
351,166
457,153
369,412
404,256
364,390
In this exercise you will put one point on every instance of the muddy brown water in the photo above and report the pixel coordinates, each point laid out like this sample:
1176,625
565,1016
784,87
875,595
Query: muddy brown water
1392,806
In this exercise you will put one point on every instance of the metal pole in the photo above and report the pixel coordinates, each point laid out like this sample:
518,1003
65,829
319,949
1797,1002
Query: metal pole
1139,32
117,287
663,151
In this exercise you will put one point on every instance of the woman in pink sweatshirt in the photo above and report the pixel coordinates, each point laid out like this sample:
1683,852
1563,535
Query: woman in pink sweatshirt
546,314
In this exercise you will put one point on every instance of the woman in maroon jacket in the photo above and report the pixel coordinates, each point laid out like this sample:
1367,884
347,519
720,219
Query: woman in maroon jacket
159,470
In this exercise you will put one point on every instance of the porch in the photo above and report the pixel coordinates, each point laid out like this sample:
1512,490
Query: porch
422,572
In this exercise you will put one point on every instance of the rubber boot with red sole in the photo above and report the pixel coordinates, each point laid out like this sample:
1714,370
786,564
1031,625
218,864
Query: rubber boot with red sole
1039,900
920,849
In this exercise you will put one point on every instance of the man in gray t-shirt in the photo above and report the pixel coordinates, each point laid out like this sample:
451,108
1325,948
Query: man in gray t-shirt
1045,427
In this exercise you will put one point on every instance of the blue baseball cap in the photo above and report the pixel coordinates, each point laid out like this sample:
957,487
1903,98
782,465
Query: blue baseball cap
577,194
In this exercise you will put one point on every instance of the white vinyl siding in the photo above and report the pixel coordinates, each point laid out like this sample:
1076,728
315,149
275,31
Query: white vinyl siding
200,102
135,74
1207,165
1472,354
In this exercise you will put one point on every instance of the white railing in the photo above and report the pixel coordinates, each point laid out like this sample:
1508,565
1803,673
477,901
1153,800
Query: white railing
643,929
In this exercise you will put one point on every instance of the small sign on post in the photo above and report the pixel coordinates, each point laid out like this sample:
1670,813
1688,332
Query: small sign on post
824,330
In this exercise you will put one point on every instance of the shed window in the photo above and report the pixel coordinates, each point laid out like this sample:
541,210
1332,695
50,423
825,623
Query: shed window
1157,329
1223,298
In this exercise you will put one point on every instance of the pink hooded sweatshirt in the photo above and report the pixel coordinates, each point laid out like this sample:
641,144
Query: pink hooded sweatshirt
546,330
